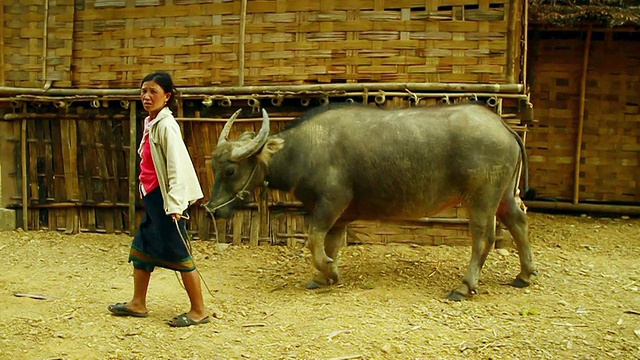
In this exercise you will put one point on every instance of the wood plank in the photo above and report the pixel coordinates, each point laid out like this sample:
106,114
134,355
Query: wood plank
59,190
255,228
133,191
48,160
69,151
69,142
24,170
33,161
237,228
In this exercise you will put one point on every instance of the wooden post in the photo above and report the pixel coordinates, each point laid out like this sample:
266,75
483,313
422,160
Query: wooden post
525,46
23,164
583,92
45,40
243,25
2,45
512,41
133,150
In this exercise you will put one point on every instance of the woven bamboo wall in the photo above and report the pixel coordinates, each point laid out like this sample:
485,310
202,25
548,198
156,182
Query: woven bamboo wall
27,60
610,150
112,43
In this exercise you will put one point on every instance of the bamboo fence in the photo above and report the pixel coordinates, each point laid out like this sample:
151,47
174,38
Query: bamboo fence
80,172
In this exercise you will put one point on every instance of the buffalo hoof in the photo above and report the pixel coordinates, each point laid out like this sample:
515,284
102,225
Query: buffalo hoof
455,295
312,285
519,283
320,281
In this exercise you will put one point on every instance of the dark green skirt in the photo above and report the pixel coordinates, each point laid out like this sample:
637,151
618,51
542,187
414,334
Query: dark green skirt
158,242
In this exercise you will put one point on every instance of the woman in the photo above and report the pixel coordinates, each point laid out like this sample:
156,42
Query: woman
168,186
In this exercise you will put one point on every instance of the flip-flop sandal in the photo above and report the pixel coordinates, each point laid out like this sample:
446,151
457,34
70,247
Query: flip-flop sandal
183,320
120,309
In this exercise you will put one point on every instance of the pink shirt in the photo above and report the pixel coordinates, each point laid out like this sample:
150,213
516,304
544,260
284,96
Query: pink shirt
148,175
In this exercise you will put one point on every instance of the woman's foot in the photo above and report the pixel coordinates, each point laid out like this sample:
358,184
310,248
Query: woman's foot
122,309
184,320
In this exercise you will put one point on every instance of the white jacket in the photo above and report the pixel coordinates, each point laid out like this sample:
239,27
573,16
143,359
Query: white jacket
176,175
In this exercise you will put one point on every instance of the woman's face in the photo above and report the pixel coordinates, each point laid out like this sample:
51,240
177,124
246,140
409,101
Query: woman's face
153,97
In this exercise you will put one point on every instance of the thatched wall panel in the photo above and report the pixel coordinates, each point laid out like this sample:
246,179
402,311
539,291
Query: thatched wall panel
609,156
108,44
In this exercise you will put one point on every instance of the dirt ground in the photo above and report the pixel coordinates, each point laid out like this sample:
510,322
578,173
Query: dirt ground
391,304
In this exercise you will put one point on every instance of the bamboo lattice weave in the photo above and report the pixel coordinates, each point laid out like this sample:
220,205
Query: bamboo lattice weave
610,152
112,43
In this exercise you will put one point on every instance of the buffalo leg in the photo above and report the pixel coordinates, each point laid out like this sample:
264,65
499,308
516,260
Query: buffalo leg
483,235
321,223
515,220
333,242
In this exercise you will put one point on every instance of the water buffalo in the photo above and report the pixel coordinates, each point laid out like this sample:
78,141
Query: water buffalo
356,162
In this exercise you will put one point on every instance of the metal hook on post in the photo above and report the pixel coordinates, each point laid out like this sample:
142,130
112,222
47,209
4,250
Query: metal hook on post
324,100
60,104
304,101
124,104
225,102
380,98
208,101
413,97
255,105
445,100
277,101
95,103
492,101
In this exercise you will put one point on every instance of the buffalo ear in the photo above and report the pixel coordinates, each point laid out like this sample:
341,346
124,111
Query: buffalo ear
272,146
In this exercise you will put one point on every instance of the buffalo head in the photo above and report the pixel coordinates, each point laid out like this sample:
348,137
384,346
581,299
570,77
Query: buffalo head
239,166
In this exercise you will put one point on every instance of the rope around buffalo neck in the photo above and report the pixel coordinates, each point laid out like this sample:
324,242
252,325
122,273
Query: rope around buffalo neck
239,195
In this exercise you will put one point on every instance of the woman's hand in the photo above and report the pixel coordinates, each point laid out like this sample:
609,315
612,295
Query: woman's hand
176,217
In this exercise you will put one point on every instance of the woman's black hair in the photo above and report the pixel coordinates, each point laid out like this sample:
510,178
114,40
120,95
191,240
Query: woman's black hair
165,81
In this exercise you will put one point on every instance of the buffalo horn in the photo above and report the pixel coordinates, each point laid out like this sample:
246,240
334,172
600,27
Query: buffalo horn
254,144
227,128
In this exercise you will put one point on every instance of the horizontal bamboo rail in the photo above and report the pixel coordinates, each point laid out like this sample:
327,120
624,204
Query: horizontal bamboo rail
582,207
28,116
97,101
458,87
70,204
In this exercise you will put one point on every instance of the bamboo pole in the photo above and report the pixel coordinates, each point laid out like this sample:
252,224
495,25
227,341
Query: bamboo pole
525,46
76,204
23,164
133,191
512,43
2,79
243,26
45,40
12,116
224,120
272,95
582,207
411,86
583,92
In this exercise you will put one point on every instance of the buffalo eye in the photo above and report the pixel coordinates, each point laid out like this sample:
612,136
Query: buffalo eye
228,172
